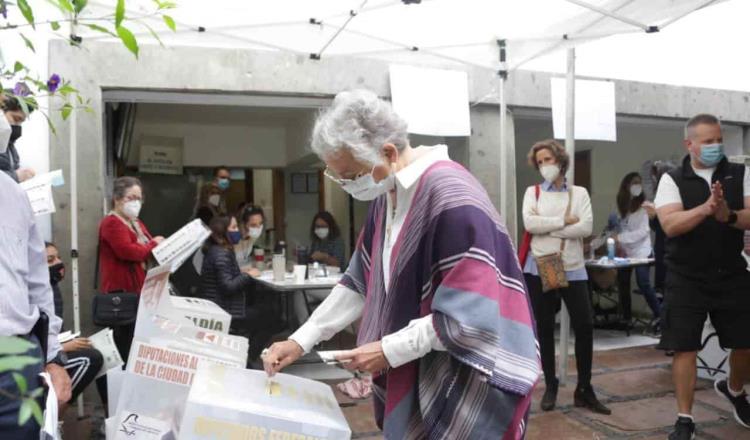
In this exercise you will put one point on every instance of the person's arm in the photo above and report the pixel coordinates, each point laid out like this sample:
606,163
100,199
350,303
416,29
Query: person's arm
117,235
228,283
342,307
535,223
411,342
40,291
5,164
639,230
585,224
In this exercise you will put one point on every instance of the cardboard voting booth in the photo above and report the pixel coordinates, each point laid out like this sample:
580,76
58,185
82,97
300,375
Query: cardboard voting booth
179,246
281,408
130,425
155,299
167,348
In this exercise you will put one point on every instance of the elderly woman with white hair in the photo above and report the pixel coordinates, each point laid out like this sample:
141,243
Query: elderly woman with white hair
447,329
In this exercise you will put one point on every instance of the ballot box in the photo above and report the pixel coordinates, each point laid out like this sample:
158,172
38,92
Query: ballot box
231,403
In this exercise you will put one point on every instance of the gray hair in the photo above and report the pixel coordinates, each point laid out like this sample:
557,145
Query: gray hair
360,121
122,185
701,118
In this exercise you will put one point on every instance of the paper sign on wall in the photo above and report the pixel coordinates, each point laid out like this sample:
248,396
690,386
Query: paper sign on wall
594,109
160,159
432,101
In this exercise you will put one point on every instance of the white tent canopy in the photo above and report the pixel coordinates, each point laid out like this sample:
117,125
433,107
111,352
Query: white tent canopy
463,32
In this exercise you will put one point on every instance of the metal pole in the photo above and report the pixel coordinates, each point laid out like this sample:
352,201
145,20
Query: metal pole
503,152
570,147
74,232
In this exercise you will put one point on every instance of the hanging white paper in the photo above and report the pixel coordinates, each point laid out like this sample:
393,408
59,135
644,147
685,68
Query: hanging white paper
432,101
594,109
104,341
181,245
49,428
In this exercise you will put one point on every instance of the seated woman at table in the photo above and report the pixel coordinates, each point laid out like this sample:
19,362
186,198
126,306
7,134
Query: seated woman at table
558,217
326,247
634,238
232,289
251,221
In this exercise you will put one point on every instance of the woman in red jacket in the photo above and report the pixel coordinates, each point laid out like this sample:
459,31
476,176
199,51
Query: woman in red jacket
124,249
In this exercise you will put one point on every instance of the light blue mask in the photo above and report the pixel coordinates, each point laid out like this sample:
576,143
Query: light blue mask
223,184
711,154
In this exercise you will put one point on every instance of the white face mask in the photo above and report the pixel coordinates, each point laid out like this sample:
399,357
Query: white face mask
365,188
5,131
214,200
321,233
132,209
636,190
550,173
254,233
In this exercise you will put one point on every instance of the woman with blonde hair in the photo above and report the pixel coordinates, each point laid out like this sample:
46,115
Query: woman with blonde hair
558,216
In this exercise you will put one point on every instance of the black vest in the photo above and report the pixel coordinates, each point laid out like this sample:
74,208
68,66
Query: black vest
712,250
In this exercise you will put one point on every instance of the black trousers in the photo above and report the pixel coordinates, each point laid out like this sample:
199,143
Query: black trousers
546,305
257,326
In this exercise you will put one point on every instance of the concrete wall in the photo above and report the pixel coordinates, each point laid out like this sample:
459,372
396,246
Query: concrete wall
214,136
109,67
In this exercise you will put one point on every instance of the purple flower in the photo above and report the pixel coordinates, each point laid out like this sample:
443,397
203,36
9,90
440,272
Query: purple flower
53,83
21,89
3,9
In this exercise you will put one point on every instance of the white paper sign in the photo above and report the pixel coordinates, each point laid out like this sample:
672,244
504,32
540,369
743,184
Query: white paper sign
594,109
432,101
160,159
181,245
40,197
104,341
134,426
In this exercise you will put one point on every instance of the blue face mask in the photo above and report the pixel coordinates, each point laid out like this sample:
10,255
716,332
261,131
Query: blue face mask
223,184
234,236
711,154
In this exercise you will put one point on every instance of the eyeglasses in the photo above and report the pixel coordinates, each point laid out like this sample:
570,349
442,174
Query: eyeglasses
341,180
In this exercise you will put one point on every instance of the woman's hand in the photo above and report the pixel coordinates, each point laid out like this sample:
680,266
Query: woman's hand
253,272
319,256
368,358
650,209
571,220
280,355
158,239
76,344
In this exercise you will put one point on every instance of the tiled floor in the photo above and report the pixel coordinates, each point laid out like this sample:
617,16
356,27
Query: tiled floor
634,382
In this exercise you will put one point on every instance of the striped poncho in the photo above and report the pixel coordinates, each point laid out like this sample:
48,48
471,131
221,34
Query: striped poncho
453,258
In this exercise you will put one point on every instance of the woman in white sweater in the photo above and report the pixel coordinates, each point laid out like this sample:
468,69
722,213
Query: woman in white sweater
544,217
634,238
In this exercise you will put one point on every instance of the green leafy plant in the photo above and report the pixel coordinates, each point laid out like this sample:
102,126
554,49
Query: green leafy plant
73,15
13,358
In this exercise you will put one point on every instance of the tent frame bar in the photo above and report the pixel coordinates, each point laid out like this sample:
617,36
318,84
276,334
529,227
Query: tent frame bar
614,15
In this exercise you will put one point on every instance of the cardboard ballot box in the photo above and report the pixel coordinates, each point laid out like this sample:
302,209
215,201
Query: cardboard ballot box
155,299
158,379
130,425
235,404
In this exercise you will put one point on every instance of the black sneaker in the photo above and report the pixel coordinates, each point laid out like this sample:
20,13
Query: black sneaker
684,429
740,403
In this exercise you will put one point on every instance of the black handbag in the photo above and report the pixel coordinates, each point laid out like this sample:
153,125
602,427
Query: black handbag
113,309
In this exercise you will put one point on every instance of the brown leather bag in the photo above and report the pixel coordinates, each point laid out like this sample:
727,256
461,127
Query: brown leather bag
550,267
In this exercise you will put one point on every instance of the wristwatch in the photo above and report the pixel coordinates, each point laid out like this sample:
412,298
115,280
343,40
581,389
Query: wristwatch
732,219
61,359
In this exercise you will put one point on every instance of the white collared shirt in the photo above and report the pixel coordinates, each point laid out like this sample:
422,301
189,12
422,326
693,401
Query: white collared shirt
343,306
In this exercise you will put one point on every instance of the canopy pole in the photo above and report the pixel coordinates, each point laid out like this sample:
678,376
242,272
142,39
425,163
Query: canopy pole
570,148
502,75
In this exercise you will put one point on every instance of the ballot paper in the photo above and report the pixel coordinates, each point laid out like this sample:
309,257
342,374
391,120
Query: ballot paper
104,342
39,191
49,428
284,407
66,336
174,250
329,357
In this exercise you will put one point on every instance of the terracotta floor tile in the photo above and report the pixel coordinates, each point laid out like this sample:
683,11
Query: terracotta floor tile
556,425
635,382
647,415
